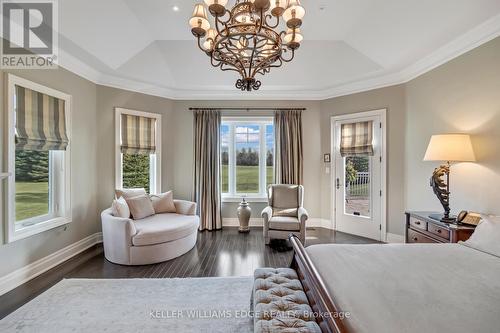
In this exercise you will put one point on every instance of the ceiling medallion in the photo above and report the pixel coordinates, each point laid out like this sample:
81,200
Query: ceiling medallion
247,38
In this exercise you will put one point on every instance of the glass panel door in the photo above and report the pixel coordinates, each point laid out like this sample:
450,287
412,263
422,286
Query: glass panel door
358,192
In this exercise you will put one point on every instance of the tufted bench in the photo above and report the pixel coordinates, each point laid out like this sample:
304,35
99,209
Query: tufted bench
280,304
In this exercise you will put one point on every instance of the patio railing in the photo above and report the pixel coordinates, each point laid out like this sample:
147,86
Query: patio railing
360,187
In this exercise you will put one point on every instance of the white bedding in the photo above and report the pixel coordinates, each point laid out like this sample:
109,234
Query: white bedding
412,287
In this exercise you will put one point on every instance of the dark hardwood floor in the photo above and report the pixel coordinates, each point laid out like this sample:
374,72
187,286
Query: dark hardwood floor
220,253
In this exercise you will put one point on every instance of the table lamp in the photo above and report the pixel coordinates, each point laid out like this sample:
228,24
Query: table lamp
447,148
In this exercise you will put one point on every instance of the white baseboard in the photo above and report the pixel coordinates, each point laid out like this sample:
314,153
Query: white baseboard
259,222
28,272
394,238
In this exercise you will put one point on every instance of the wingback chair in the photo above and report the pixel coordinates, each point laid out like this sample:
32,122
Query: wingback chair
285,214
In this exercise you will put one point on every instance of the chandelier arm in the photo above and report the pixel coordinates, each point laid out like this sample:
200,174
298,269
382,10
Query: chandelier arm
288,60
239,61
253,55
201,47
235,69
261,21
224,23
269,16
213,61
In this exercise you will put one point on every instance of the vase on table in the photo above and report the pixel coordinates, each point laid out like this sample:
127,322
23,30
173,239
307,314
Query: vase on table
244,213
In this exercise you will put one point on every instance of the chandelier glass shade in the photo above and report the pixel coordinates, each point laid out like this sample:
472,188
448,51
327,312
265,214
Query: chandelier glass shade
250,38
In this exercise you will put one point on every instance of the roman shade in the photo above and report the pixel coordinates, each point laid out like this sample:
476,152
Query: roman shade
40,121
138,135
356,139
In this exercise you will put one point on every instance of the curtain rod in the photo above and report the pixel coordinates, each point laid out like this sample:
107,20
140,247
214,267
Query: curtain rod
248,109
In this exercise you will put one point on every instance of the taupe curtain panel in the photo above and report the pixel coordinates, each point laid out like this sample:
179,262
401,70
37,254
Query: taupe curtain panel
207,187
289,155
356,139
138,135
40,121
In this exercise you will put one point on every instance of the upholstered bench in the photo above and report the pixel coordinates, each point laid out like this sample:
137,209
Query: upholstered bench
280,304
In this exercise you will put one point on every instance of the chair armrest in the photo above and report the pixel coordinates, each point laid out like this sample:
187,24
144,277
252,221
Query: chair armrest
110,222
267,213
302,214
185,207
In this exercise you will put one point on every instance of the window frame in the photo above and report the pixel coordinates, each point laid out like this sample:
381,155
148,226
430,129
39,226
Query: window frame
233,122
60,212
154,160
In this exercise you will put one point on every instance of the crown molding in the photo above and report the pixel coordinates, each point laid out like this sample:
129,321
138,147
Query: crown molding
479,35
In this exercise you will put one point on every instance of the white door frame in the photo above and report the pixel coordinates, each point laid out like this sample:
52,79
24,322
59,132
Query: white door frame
382,113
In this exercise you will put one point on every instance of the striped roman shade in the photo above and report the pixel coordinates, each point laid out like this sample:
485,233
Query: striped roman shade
40,121
356,139
138,135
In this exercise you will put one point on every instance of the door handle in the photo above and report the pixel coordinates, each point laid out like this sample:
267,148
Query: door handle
338,183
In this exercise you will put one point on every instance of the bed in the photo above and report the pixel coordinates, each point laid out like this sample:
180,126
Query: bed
400,287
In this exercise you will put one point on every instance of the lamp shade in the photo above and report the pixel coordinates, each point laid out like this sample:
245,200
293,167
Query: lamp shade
294,11
451,148
199,19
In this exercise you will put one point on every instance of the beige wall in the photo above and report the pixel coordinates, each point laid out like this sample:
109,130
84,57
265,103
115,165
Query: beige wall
461,96
392,99
83,172
183,161
107,100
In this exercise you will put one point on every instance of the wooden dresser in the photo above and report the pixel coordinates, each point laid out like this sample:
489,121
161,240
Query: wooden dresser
420,228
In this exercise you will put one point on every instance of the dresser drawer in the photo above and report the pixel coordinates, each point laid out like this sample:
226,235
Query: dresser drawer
416,237
418,224
439,231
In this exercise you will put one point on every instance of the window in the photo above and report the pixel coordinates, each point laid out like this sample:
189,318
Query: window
38,158
247,157
138,150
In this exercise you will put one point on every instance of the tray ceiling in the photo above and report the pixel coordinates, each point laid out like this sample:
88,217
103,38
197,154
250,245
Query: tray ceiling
350,46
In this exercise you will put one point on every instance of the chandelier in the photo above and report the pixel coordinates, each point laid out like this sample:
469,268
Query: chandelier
247,38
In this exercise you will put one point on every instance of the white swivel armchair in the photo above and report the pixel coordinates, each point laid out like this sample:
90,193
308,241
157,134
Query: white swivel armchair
285,214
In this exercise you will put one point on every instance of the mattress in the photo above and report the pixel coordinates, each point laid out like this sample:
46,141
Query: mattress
412,287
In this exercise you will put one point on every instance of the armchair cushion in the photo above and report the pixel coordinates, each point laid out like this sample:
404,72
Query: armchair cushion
163,203
119,208
286,223
292,212
140,207
285,196
185,207
162,228
129,192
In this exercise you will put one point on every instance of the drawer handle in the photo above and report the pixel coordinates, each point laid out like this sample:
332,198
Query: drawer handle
417,222
439,231
415,239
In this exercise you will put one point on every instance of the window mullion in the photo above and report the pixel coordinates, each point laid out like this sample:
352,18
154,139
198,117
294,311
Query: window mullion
232,160
262,160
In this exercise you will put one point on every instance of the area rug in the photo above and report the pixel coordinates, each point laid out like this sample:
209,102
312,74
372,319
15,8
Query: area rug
138,305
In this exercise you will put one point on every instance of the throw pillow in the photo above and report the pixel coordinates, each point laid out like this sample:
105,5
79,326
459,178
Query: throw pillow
486,237
163,203
140,207
120,208
129,192
288,212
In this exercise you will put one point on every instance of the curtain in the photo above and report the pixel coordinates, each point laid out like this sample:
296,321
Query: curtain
356,139
40,121
289,151
207,187
138,135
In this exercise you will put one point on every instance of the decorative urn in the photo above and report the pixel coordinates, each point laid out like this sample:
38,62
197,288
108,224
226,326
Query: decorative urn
244,213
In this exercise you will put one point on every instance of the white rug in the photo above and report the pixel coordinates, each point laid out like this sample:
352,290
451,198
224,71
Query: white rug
138,305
